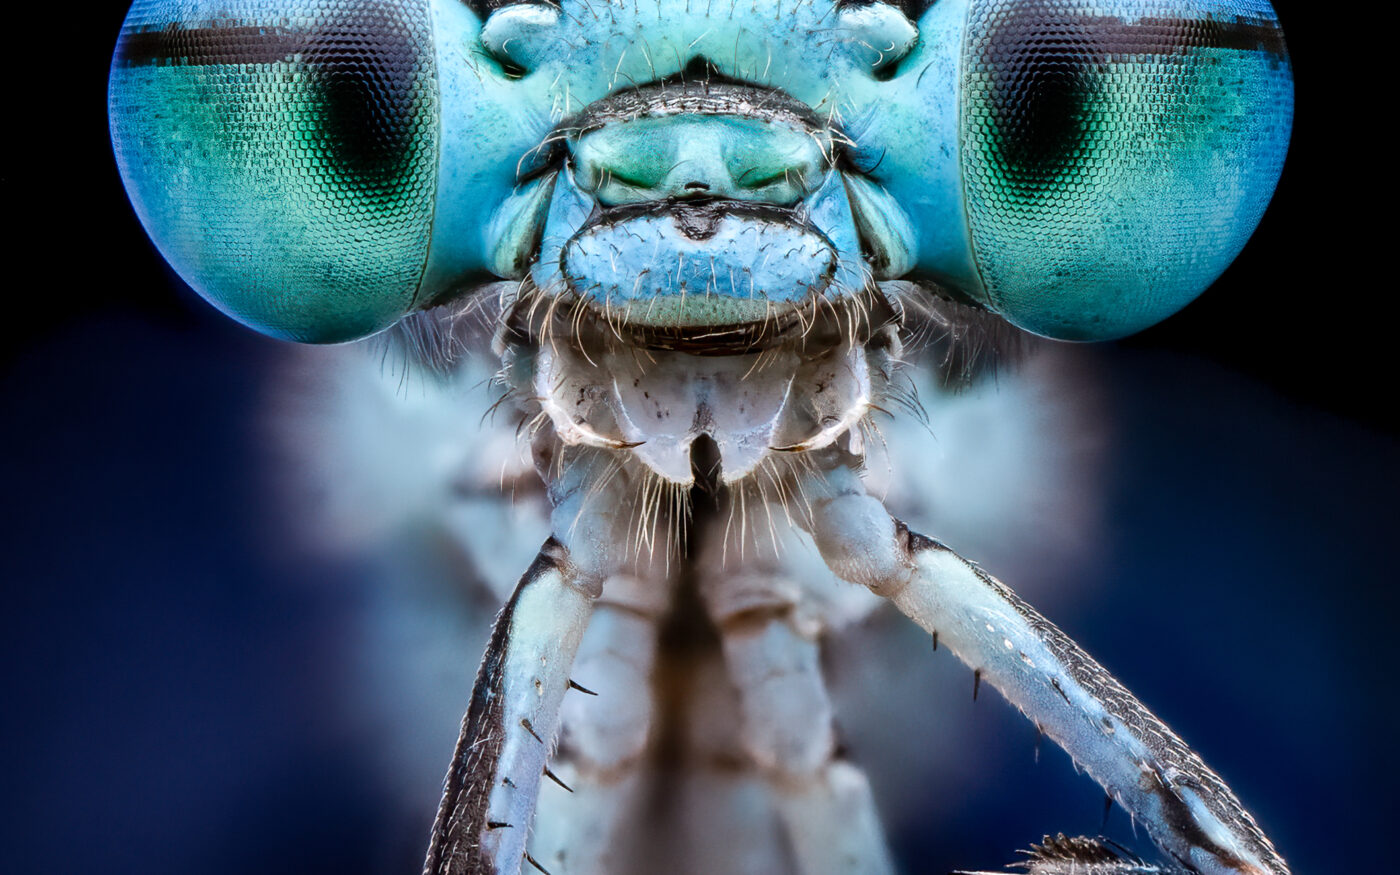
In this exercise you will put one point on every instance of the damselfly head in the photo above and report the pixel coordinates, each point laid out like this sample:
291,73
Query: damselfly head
724,172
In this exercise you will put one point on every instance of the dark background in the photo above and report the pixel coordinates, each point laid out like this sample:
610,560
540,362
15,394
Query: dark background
164,693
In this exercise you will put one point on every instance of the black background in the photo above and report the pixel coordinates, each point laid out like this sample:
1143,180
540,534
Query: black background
164,688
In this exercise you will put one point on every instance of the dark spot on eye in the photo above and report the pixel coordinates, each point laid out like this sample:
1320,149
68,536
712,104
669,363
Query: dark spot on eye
369,74
1041,68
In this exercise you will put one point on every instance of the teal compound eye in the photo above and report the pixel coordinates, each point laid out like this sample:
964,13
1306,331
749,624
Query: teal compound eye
1106,160
285,155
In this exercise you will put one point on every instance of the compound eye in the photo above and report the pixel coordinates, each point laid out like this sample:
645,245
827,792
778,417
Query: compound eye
1116,155
283,155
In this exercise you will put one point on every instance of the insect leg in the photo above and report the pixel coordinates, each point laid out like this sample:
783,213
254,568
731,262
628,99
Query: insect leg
772,654
1189,811
492,786
489,794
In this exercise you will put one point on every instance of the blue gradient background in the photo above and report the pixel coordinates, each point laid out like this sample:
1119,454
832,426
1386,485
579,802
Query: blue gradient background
168,697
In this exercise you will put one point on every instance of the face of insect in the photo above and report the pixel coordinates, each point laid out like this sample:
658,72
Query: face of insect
318,170
720,224
717,183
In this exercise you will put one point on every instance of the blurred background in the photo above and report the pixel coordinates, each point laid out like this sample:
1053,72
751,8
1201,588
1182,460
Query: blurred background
175,696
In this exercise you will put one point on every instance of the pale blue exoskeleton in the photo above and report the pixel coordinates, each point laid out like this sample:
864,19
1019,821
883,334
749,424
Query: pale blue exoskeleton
704,210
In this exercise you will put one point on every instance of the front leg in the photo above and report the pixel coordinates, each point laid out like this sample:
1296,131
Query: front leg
1188,810
489,795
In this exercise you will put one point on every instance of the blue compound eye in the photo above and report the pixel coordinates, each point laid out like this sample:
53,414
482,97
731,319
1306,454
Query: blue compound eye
1112,157
283,155
1115,164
